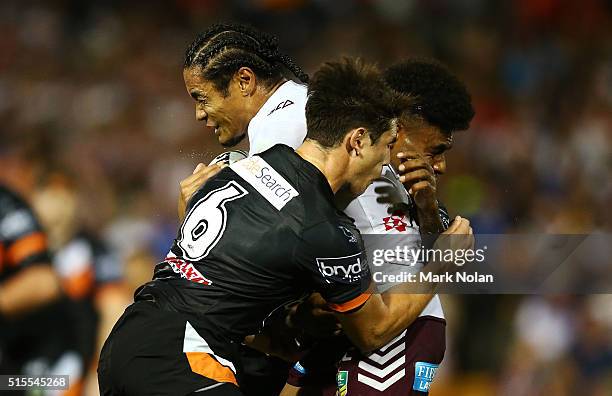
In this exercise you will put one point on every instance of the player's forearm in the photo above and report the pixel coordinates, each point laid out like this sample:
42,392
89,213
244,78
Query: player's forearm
110,302
383,317
290,390
402,311
430,221
31,288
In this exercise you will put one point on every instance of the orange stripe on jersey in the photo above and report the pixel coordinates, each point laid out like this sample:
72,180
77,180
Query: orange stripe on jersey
1,256
75,388
79,285
350,305
204,364
25,247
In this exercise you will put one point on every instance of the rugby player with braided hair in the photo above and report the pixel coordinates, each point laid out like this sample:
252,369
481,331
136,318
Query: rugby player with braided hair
239,67
270,126
237,76
217,285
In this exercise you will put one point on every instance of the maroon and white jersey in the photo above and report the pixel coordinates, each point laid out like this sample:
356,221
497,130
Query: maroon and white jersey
391,217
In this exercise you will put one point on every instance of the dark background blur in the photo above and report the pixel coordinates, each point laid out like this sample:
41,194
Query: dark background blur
92,101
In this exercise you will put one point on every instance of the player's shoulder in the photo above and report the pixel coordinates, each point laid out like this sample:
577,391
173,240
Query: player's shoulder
9,200
290,97
282,119
336,249
287,103
16,216
333,234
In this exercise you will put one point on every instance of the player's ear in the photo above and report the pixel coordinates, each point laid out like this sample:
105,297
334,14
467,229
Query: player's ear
247,81
356,141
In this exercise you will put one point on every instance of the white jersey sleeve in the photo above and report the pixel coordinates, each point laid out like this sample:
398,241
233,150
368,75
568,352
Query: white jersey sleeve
383,210
281,119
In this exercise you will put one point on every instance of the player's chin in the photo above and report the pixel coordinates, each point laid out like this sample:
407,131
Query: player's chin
358,190
227,139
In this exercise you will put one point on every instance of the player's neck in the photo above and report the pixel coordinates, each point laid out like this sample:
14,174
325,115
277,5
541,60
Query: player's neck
330,162
267,94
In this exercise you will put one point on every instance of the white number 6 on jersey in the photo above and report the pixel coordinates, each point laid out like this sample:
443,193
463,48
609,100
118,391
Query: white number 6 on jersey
205,222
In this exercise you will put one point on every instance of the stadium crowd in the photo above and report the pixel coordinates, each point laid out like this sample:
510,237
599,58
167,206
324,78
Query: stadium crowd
97,130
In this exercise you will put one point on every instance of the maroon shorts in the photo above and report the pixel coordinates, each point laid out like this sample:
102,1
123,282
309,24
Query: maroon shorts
405,366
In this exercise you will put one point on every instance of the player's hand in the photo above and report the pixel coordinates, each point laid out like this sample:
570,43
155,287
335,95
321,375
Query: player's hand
191,184
419,178
314,317
282,346
458,236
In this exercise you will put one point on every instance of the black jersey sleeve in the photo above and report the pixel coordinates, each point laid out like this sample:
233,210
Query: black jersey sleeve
334,262
22,241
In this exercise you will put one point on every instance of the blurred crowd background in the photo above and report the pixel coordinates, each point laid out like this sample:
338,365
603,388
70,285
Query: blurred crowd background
96,130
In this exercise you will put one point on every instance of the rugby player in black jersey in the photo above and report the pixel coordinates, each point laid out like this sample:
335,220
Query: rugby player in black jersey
258,235
230,70
442,106
27,280
32,315
235,75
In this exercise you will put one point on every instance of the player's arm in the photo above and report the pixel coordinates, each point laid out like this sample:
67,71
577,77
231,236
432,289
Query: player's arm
418,177
34,283
383,316
31,288
110,301
283,347
191,184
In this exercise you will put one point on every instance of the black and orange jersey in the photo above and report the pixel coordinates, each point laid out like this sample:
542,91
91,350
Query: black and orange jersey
86,266
262,233
22,242
43,334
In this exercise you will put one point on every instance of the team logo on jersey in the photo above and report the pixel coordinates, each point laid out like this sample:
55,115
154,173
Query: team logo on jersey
423,376
347,269
281,106
267,181
342,383
348,234
395,221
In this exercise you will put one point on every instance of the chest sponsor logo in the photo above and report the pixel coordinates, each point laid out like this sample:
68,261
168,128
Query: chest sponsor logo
268,182
423,376
187,270
347,269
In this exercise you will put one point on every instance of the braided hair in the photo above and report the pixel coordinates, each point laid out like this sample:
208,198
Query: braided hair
222,49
